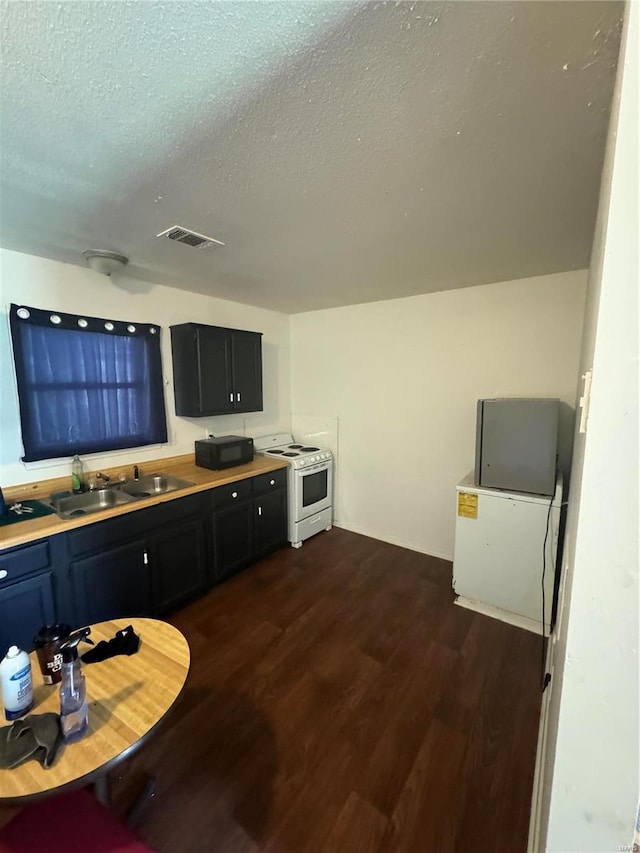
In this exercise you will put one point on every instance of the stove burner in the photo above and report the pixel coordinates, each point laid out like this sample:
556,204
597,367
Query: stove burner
295,446
291,454
310,449
276,451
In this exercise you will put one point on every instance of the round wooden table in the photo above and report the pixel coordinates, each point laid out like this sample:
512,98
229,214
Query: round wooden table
128,698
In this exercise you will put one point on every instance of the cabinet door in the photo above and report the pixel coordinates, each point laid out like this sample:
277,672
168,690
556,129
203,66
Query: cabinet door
112,584
247,371
214,364
24,608
232,539
270,520
178,564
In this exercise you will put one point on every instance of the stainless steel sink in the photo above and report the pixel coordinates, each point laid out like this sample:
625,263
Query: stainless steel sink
153,484
116,494
89,502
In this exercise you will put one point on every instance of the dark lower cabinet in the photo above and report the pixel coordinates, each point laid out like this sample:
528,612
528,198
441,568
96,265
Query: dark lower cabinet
245,526
24,607
142,563
270,522
178,564
232,539
113,584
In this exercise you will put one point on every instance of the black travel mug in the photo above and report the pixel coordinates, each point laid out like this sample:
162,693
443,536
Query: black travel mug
47,645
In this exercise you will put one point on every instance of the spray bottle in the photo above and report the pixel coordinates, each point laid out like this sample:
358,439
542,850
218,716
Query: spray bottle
74,710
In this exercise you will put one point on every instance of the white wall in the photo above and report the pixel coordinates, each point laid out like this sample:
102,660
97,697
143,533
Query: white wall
403,376
591,766
48,284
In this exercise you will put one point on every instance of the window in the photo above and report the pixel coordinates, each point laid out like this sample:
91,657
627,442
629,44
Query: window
86,385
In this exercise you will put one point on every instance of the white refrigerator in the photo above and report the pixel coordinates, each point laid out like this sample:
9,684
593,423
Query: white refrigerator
498,562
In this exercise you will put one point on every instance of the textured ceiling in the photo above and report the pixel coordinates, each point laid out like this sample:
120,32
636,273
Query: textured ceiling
344,152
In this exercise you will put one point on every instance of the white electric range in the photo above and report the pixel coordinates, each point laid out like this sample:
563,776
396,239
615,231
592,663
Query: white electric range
309,480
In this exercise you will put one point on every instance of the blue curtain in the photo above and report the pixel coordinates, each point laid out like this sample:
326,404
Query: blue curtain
85,384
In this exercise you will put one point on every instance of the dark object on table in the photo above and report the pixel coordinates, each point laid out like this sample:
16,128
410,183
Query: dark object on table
74,708
36,736
70,823
125,642
47,645
23,511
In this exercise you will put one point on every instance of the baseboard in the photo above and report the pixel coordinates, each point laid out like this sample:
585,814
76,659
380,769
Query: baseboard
534,843
352,528
503,615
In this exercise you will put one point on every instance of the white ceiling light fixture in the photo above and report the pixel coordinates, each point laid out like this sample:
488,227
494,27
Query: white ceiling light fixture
107,263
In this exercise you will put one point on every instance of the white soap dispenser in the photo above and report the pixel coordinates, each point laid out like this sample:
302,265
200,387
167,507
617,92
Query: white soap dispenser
17,683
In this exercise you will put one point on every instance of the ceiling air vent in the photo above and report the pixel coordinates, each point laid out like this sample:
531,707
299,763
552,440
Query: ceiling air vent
189,238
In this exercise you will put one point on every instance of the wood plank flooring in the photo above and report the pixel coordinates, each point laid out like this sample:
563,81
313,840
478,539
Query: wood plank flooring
339,702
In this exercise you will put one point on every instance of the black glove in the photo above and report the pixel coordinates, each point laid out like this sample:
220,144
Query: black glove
125,642
36,736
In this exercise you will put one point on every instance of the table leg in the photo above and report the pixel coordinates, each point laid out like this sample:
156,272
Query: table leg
136,810
101,789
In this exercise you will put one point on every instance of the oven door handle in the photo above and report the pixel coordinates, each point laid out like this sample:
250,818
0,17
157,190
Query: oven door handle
323,466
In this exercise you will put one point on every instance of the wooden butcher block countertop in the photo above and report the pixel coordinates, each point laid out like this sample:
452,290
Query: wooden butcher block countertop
183,467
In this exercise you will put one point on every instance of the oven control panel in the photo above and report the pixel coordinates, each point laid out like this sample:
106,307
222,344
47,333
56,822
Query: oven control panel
306,461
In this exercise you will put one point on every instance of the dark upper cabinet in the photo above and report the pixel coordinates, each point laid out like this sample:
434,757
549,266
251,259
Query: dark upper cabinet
247,371
178,562
216,370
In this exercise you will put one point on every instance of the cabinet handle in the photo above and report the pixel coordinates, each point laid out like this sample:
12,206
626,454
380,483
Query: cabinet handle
145,558
238,397
234,494
259,510
231,397
3,574
272,482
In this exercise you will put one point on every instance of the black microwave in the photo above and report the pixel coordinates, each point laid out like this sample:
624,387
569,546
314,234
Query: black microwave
224,452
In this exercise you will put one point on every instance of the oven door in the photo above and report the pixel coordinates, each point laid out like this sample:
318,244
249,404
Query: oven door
313,490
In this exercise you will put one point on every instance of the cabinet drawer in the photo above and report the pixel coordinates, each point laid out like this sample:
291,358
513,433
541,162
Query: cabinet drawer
268,482
110,532
24,561
231,494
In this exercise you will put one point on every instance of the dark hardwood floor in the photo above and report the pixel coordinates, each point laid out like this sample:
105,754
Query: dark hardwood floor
339,702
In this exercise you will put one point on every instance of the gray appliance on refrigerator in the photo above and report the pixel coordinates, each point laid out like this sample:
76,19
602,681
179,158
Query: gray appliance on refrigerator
516,444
